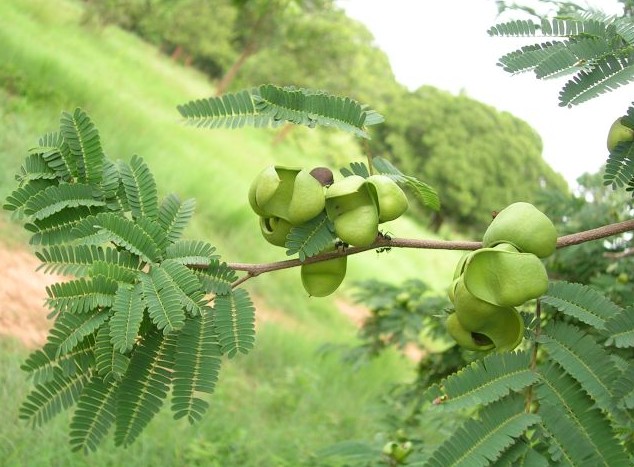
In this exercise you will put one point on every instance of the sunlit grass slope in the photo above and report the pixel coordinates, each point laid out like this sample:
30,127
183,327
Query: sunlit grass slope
283,401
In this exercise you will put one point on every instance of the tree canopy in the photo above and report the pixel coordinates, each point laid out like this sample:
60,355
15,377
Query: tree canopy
479,158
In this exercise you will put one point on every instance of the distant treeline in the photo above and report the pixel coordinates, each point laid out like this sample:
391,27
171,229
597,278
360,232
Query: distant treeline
460,146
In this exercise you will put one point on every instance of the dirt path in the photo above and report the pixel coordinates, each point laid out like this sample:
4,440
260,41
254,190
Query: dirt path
22,293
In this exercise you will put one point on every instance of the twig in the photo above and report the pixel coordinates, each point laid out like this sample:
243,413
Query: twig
382,242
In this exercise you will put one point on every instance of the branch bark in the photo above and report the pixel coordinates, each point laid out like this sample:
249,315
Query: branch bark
383,242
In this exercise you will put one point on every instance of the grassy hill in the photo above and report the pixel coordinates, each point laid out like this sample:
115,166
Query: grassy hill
283,402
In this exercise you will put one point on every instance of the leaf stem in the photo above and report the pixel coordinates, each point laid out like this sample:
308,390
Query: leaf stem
533,364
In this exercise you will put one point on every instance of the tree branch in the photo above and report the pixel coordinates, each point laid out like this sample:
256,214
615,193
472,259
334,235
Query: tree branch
383,242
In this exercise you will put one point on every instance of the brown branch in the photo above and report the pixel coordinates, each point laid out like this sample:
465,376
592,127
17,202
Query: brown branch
383,242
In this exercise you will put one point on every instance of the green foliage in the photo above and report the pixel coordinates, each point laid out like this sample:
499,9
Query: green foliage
484,381
271,105
421,190
619,168
467,148
311,238
581,303
566,403
135,321
595,49
481,442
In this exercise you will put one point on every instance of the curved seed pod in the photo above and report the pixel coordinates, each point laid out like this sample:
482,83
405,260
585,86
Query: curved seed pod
618,133
505,278
262,189
274,230
291,194
323,278
392,202
352,207
451,291
308,198
461,265
358,227
525,227
503,326
466,339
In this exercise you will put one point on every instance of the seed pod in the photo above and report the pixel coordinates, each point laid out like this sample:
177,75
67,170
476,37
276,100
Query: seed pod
503,326
392,202
323,278
275,230
525,227
291,194
619,133
466,339
352,207
504,278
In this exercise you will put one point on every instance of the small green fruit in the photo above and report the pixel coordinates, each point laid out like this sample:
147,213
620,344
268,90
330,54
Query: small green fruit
503,326
358,227
323,278
392,202
525,227
291,194
466,339
352,207
619,133
275,230
504,278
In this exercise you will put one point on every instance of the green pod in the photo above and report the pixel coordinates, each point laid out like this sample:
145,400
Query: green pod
461,264
504,278
274,230
352,207
619,133
466,339
323,278
291,194
392,202
503,326
451,291
262,189
525,227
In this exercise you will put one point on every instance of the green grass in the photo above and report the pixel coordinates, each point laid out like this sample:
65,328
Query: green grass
276,406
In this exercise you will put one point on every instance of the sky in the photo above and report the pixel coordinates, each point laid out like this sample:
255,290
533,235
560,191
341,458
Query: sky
419,35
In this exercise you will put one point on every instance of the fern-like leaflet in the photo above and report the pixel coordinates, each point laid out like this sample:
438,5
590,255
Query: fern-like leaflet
311,237
481,442
196,367
596,50
269,105
234,320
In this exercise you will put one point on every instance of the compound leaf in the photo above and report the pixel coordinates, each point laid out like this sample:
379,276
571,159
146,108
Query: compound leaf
94,415
196,367
174,216
581,302
234,321
140,188
144,387
127,315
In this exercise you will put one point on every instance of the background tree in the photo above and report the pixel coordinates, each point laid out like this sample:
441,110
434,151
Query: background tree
467,148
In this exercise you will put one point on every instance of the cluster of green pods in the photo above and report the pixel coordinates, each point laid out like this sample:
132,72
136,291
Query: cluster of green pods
284,197
505,273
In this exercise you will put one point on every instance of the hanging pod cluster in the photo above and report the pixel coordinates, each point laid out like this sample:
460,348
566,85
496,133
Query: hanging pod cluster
285,197
490,282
